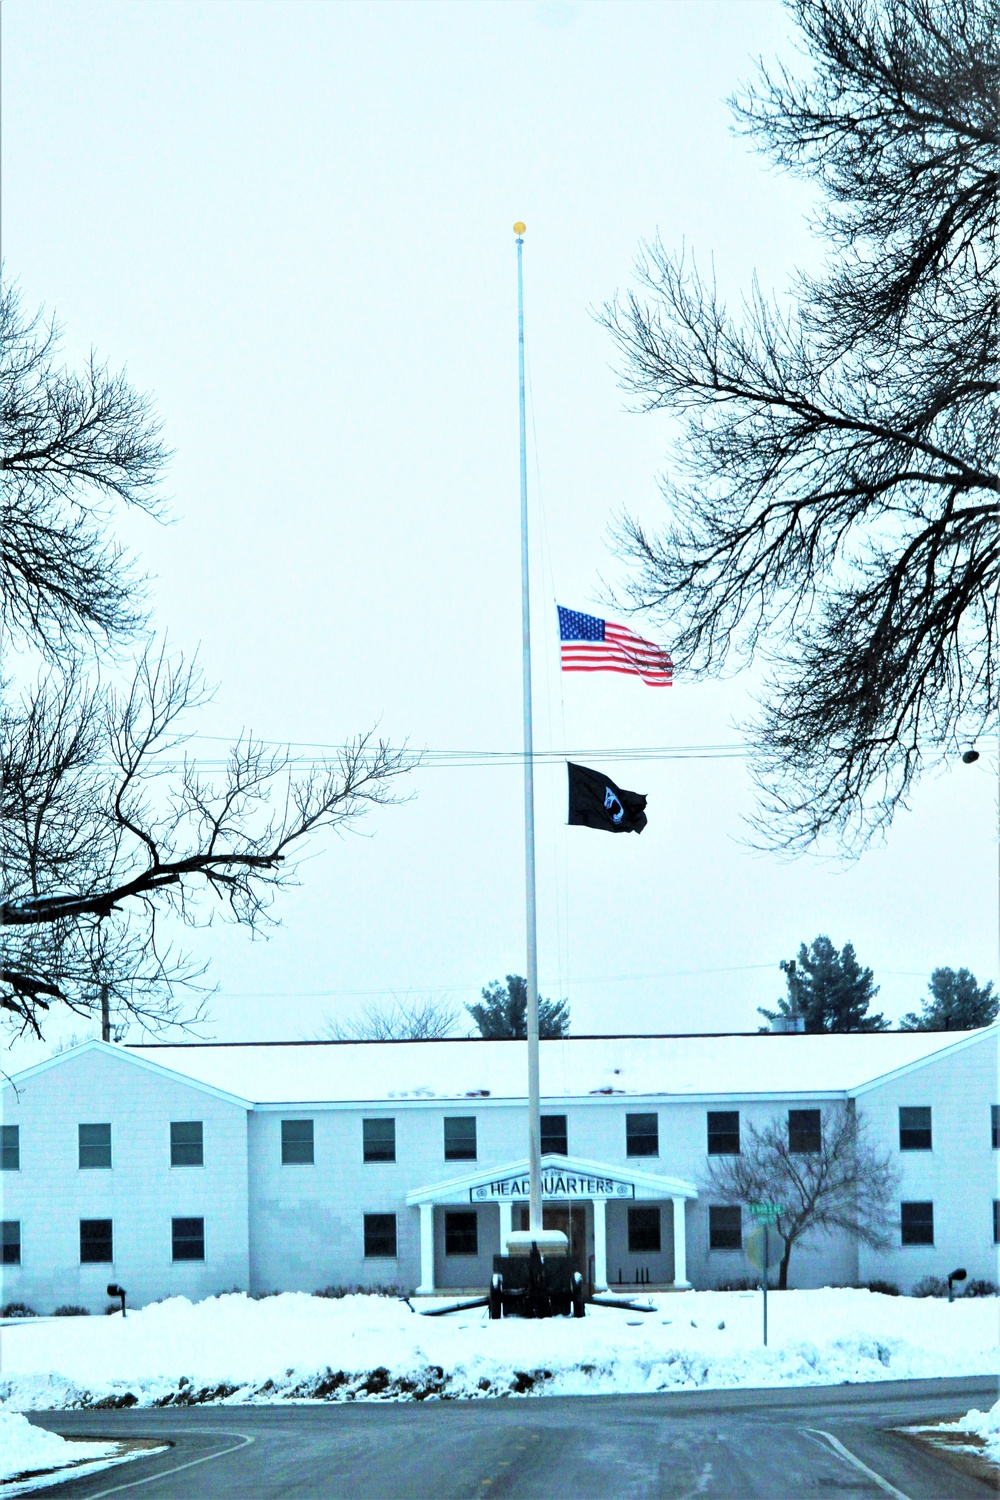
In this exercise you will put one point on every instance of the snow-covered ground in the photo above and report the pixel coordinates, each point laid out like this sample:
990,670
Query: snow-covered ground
362,1347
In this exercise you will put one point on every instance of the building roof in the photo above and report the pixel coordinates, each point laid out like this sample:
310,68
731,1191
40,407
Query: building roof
576,1067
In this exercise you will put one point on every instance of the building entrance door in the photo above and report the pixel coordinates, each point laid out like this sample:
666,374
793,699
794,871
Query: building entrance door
571,1219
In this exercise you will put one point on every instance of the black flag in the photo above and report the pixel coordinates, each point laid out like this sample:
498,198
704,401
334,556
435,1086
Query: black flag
595,802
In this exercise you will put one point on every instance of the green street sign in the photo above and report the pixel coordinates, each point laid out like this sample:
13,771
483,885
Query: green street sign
767,1213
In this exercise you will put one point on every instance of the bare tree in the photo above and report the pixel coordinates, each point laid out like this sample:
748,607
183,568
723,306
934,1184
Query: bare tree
847,1184
110,837
74,448
402,1021
834,497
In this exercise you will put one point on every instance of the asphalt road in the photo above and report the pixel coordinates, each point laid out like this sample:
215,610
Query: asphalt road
835,1442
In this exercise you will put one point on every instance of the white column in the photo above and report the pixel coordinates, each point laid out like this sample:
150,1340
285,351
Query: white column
600,1246
506,1223
680,1243
426,1287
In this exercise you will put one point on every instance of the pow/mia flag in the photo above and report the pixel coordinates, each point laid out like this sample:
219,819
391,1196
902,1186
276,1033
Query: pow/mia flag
595,802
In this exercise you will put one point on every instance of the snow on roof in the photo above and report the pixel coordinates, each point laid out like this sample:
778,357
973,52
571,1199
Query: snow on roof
582,1066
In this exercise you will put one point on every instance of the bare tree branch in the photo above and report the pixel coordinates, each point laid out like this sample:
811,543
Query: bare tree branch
105,833
834,499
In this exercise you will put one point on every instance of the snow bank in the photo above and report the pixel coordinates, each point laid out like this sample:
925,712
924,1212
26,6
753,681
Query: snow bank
295,1346
984,1425
24,1448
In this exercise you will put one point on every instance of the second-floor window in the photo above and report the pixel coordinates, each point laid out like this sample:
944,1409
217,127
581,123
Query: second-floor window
915,1128
805,1133
554,1138
187,1145
378,1139
94,1146
642,1135
460,1138
10,1148
297,1143
724,1132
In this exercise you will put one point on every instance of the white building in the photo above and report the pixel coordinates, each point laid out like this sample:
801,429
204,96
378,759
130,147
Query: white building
199,1169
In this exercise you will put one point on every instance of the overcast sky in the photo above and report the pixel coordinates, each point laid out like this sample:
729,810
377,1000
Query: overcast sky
292,222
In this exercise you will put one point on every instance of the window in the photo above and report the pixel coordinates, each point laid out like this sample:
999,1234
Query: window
96,1243
725,1228
554,1137
915,1129
805,1135
994,1125
95,1147
996,1221
188,1239
296,1143
11,1240
724,1132
643,1231
379,1140
10,1147
917,1223
187,1145
380,1236
461,1234
642,1135
460,1138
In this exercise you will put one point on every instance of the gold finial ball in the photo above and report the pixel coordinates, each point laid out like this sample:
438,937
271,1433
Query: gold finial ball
519,228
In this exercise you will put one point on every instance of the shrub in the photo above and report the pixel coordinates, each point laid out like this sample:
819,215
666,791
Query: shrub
112,1307
17,1310
980,1287
930,1286
70,1310
887,1288
380,1289
738,1284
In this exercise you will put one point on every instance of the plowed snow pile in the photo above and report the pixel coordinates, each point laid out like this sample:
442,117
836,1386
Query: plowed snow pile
984,1425
26,1449
295,1346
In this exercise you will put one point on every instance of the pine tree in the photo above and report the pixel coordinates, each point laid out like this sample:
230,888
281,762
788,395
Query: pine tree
830,990
957,1003
502,1013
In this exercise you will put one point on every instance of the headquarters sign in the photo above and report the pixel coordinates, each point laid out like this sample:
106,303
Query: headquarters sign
554,1185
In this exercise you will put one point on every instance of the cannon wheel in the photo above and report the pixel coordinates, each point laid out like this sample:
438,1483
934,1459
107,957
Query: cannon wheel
579,1310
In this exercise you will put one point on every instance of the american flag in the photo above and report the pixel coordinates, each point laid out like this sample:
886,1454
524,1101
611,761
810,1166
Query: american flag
592,645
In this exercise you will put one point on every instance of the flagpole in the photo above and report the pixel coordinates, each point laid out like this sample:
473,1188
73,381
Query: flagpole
534,1106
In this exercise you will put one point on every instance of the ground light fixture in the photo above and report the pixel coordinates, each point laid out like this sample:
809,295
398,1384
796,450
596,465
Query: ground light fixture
954,1276
114,1290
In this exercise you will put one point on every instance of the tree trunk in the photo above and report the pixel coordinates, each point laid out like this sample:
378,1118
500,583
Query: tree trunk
783,1267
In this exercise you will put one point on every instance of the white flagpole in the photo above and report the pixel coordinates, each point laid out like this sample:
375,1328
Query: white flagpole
534,1115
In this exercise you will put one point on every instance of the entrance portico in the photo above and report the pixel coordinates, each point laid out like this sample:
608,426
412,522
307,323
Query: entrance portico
566,1181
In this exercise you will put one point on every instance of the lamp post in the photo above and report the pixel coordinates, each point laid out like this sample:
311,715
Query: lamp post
969,758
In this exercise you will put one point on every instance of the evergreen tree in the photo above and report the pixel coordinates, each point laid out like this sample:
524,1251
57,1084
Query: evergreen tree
830,990
957,1003
503,1012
